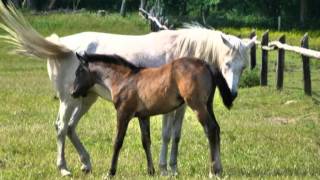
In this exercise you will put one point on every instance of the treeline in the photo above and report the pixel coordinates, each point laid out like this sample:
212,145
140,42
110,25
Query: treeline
295,13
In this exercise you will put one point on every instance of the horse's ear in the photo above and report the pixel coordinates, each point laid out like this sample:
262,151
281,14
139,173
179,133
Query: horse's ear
226,40
251,42
81,58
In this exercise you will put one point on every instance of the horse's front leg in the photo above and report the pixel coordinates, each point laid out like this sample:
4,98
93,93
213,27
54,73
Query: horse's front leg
65,111
123,118
167,124
176,134
79,112
146,142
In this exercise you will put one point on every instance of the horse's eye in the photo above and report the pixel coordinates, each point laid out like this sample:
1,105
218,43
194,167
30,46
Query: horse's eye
228,64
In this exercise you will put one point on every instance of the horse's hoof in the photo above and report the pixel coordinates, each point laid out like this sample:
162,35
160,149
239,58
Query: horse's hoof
163,170
163,173
86,168
174,171
65,172
151,171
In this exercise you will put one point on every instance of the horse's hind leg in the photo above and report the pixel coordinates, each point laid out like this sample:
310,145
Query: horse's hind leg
167,124
176,134
65,112
78,113
146,142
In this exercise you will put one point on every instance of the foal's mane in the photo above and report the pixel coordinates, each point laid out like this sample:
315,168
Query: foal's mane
112,59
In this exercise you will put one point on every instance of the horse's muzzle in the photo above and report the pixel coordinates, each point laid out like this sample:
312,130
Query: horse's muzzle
234,95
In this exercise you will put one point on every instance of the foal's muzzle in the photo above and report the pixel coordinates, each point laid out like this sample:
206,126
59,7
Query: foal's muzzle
76,93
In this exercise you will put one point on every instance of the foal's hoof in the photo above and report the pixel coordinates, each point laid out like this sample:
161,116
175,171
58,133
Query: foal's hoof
110,174
151,171
65,172
216,174
86,168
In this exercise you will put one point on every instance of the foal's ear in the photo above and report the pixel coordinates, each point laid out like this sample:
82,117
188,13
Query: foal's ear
81,58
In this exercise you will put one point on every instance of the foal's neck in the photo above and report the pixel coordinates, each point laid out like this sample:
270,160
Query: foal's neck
110,74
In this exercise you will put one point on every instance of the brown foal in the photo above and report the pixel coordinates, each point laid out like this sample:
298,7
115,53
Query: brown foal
143,92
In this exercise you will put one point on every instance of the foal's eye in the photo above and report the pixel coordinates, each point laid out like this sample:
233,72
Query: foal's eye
228,64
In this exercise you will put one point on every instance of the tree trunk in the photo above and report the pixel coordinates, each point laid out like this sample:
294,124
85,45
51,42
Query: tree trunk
29,4
205,11
303,11
143,3
51,4
183,7
123,8
16,3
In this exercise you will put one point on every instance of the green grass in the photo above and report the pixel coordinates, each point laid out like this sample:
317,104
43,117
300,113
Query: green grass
263,136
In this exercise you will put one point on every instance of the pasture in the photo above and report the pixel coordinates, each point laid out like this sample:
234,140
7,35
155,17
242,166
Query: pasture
267,134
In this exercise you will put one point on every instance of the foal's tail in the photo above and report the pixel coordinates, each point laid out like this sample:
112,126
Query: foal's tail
223,87
27,40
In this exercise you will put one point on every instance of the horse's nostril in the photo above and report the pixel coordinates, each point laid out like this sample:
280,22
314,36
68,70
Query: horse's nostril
234,95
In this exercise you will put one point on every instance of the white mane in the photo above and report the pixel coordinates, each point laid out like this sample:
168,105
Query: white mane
207,44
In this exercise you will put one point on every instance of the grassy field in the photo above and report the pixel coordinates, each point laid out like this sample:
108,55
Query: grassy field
268,134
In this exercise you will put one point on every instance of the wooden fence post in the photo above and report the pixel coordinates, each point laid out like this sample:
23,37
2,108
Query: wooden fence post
253,52
306,66
264,63
280,63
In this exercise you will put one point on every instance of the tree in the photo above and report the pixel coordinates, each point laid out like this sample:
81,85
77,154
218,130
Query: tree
29,4
143,3
303,11
123,8
16,3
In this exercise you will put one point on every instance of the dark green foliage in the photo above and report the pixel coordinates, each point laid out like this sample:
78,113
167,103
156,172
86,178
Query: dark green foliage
250,78
216,13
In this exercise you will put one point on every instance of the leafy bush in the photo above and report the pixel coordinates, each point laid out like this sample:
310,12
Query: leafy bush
250,78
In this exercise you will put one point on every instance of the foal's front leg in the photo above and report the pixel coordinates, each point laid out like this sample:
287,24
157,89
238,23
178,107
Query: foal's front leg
146,142
123,119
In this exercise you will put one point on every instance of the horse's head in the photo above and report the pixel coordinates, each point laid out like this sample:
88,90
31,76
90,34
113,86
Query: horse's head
234,60
84,79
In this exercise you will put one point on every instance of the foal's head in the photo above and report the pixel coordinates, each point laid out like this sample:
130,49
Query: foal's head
84,79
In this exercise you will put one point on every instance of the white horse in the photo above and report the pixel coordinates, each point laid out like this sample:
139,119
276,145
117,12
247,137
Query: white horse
225,53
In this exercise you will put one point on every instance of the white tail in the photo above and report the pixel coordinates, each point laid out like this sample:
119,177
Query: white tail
27,40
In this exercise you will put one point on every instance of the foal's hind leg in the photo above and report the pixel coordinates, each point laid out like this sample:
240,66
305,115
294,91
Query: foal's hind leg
212,131
77,114
176,134
146,142
65,112
166,133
